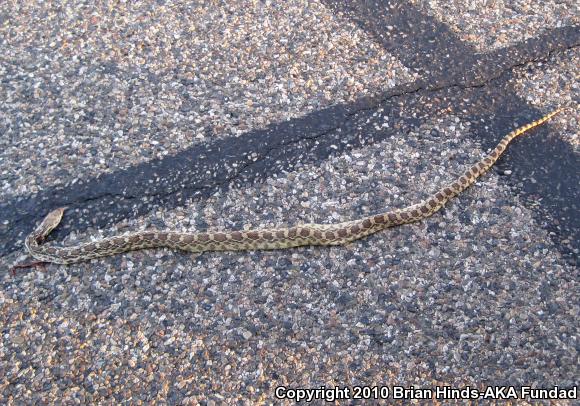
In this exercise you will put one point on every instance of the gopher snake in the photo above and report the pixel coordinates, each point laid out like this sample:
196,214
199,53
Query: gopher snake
266,239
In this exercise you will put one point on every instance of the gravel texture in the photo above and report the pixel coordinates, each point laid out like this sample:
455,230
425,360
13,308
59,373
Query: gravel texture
113,86
490,24
477,294
535,84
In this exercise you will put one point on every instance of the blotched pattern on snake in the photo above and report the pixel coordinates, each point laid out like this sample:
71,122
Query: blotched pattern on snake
266,239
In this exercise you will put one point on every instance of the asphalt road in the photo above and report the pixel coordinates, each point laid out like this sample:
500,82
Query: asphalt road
258,114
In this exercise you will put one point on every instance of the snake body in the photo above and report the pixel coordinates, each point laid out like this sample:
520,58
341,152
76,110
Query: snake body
264,239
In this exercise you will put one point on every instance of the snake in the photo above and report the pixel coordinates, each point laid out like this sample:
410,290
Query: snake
263,239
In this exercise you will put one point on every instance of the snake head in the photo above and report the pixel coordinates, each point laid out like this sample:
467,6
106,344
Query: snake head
49,223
